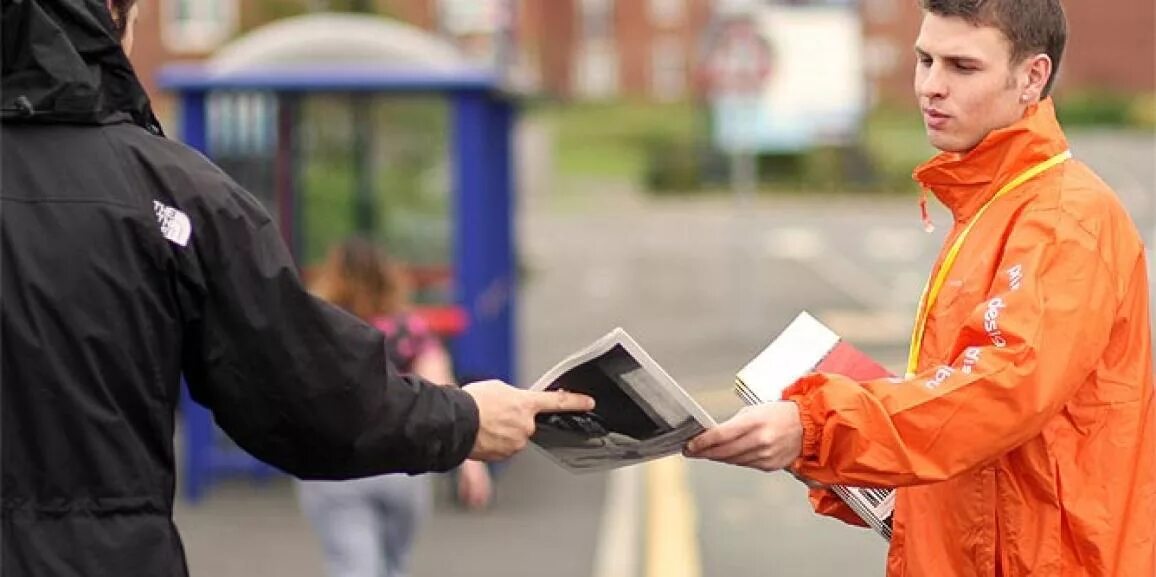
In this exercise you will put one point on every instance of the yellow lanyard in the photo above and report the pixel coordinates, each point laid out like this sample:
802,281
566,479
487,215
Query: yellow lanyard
931,290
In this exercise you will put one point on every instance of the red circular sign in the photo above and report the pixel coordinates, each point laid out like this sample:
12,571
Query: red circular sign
737,60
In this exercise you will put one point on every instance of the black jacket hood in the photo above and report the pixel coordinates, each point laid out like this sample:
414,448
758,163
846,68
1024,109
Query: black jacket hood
63,63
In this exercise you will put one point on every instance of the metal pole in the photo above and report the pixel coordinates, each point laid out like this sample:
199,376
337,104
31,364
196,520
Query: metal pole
744,177
744,185
364,205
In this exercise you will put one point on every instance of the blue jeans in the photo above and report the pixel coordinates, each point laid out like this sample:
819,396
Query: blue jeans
366,526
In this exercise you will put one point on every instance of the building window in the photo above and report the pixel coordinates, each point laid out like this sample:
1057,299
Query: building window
597,66
667,13
198,25
597,70
597,19
668,69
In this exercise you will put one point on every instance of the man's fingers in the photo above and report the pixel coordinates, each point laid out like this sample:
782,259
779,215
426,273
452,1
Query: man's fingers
761,458
748,458
722,434
730,449
707,445
708,440
561,402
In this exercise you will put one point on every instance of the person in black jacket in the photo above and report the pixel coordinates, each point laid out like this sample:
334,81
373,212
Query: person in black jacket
127,260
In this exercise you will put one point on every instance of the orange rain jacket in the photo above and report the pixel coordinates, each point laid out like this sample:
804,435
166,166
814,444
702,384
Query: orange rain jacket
1025,445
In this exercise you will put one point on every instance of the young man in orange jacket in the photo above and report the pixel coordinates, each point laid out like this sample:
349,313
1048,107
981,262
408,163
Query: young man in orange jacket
1023,437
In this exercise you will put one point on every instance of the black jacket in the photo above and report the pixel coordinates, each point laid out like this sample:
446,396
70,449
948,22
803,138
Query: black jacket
127,260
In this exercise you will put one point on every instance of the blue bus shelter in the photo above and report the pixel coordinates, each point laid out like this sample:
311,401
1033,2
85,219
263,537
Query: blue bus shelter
482,266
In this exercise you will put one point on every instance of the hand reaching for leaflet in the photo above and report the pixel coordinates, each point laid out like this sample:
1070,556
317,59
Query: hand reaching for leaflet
506,415
767,437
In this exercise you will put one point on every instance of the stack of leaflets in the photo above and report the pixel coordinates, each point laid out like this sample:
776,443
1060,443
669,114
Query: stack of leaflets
640,412
805,346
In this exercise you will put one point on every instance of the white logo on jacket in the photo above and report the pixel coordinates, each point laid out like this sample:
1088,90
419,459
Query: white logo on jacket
941,375
970,359
991,322
175,225
1015,277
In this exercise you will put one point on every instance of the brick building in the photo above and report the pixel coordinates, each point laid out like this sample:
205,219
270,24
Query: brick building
644,49
648,49
1111,46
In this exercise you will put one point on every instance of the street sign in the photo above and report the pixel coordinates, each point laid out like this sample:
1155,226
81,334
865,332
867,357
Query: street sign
738,58
786,78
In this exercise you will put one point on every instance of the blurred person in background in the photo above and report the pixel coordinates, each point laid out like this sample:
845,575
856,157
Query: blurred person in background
130,260
1023,437
367,526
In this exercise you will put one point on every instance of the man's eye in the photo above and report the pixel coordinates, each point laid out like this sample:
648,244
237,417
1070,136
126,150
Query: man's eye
925,61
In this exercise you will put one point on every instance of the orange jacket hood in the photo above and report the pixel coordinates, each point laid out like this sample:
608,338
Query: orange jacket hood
1024,444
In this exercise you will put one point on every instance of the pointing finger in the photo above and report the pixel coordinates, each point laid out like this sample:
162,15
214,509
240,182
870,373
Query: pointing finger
561,402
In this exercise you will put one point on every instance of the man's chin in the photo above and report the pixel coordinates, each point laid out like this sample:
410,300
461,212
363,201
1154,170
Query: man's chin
946,143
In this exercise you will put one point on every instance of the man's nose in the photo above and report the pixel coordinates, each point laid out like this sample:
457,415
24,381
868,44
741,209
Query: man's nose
932,83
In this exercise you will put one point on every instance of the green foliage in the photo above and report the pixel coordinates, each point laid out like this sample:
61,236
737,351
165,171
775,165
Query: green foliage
896,142
1093,108
1106,108
666,149
266,11
676,165
408,172
611,139
1143,111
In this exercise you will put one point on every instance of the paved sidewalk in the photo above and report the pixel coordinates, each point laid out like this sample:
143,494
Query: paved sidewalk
543,517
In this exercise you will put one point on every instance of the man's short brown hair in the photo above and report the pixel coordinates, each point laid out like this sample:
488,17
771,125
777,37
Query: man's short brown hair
1031,26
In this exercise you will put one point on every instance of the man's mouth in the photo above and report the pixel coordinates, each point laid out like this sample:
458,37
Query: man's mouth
935,119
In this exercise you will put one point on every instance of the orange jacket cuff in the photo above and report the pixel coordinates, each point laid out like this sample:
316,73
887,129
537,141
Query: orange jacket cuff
798,394
810,428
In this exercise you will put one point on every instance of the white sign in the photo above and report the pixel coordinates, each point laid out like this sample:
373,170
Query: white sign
815,92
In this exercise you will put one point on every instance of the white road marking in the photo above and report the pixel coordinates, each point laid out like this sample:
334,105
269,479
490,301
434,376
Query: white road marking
616,554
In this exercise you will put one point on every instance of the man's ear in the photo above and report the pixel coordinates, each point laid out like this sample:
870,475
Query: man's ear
1039,71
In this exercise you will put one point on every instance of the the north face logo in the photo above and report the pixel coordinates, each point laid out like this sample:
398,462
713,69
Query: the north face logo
175,224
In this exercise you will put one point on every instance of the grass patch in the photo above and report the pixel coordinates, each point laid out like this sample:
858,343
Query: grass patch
625,141
665,148
1103,108
610,139
896,143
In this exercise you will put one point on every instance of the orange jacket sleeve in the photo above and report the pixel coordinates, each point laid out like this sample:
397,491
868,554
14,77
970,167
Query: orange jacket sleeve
825,502
1019,356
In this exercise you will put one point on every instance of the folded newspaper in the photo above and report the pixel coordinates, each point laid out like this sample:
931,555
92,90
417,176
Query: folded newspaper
640,412
806,345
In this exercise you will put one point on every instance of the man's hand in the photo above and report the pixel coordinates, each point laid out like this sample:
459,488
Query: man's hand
506,415
766,437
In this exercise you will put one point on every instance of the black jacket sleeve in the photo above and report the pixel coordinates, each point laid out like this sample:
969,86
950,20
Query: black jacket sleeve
295,381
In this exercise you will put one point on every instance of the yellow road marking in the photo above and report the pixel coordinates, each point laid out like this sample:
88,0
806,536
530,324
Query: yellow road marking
672,545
